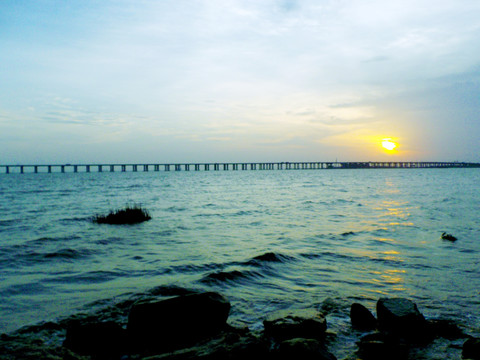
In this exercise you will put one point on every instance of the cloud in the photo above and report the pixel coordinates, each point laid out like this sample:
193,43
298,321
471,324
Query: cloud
242,71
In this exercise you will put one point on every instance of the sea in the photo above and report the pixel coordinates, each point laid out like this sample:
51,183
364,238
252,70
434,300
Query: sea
268,240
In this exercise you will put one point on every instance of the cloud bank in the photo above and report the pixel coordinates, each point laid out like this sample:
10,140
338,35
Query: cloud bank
215,80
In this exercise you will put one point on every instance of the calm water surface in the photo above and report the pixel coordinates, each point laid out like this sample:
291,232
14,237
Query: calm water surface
268,240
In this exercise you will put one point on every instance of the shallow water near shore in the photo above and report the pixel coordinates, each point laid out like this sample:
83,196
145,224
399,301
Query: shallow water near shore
268,240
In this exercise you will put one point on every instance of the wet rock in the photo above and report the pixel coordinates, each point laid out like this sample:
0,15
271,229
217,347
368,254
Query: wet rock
401,317
305,349
105,339
380,346
232,344
448,237
177,322
362,318
308,324
471,349
446,329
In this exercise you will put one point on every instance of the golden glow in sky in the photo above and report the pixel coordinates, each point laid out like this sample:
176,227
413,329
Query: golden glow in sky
388,144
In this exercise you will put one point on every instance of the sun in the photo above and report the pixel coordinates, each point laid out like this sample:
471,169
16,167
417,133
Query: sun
388,144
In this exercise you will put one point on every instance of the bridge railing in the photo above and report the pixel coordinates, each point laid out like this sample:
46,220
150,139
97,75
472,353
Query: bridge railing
227,166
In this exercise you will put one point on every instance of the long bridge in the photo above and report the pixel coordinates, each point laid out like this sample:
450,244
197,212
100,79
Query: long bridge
225,166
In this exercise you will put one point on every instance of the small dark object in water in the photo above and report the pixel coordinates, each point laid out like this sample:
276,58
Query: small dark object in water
449,237
129,215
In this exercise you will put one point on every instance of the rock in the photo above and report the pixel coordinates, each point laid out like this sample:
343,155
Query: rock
401,317
177,322
362,318
379,346
105,339
308,324
305,349
446,329
448,237
232,344
471,349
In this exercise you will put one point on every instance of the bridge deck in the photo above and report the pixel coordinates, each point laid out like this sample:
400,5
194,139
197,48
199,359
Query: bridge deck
74,168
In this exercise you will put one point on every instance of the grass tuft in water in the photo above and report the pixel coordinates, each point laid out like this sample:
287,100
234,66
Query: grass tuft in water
129,215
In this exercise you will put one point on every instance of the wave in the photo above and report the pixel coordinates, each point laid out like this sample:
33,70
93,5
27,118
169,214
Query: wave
270,257
21,255
191,268
331,256
76,219
169,290
8,222
230,276
327,254
111,240
209,215
46,239
67,253
166,232
91,277
31,288
174,209
246,212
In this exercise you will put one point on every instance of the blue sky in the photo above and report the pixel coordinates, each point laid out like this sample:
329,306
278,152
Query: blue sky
225,80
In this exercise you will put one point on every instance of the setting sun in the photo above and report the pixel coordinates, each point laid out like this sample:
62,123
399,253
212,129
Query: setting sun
388,144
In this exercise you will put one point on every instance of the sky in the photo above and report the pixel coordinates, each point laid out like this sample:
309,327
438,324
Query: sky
140,81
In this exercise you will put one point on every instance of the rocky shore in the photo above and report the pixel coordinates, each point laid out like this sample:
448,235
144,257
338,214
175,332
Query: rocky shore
195,326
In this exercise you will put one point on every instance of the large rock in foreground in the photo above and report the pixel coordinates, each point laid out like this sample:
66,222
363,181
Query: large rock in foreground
101,339
401,317
308,324
305,349
177,322
232,344
379,346
471,349
362,318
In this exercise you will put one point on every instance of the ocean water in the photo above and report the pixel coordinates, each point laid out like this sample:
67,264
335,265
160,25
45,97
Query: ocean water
268,240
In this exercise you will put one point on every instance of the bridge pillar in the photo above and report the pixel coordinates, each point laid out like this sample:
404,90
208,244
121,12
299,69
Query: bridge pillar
7,169
135,168
35,169
100,168
112,168
49,169
63,168
21,169
88,168
207,167
75,168
178,167
124,168
187,167
156,167
167,167
145,168
197,167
